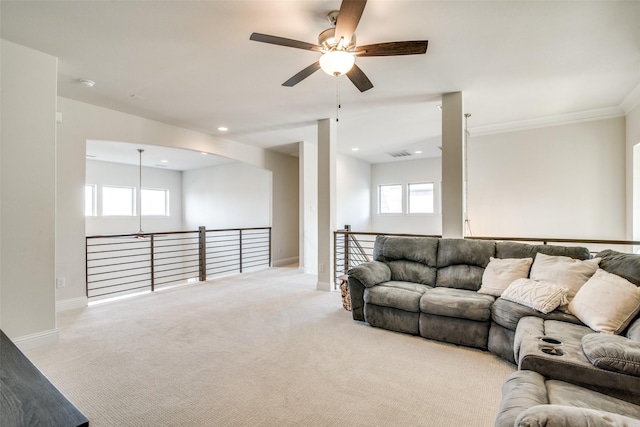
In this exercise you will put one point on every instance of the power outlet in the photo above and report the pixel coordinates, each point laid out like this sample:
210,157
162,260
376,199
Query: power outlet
60,283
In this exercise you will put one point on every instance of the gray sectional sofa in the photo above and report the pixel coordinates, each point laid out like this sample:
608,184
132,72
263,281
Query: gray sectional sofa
434,288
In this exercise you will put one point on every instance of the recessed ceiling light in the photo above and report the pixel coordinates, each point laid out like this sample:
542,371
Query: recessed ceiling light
418,152
204,154
87,82
355,149
223,128
164,161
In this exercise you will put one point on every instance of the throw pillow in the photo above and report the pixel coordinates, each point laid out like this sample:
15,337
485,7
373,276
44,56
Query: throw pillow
541,296
500,273
564,271
606,303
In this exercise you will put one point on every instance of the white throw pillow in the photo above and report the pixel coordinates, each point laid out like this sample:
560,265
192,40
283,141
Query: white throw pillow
500,273
564,271
606,303
541,296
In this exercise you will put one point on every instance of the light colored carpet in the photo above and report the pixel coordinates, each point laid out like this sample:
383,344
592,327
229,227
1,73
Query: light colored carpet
264,348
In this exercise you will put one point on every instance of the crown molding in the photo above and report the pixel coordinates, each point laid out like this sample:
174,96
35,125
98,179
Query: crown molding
561,119
632,100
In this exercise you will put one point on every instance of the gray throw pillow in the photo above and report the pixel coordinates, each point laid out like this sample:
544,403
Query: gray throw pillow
613,353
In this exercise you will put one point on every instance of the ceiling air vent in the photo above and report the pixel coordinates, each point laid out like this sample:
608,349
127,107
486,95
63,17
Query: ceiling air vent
401,153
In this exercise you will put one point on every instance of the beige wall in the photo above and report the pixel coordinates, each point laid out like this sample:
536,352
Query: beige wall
83,121
27,273
562,181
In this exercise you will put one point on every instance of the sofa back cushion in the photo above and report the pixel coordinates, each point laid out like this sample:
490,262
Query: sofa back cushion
410,259
523,250
461,262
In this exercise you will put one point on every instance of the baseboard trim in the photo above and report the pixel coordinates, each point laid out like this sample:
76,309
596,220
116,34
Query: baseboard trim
285,262
40,339
71,304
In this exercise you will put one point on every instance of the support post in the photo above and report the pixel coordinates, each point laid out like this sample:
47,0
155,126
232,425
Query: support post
327,143
452,165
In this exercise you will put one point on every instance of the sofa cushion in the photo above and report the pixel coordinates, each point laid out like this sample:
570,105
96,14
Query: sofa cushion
371,273
410,271
613,353
507,314
418,249
563,393
621,264
563,416
607,302
461,262
633,331
523,250
401,295
457,303
541,296
564,271
500,273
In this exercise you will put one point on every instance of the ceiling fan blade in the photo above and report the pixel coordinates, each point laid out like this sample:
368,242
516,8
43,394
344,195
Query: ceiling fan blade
359,79
302,75
281,41
348,18
417,47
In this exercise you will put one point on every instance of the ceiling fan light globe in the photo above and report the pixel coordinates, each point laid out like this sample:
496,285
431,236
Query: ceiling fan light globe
337,62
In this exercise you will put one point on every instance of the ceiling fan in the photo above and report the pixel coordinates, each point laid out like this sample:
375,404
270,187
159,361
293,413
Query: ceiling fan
338,47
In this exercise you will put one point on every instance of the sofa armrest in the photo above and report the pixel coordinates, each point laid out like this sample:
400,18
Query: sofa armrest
561,416
613,353
371,273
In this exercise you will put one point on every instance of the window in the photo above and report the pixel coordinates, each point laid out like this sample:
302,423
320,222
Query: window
118,201
421,198
390,199
90,200
154,202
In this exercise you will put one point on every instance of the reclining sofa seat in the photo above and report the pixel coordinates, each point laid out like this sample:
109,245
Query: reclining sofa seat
428,286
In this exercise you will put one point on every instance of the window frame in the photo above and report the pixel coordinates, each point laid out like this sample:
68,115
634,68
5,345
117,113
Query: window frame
167,206
133,201
433,198
401,212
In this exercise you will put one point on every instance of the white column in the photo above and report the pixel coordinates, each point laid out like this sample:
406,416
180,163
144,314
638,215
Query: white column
308,158
452,165
326,202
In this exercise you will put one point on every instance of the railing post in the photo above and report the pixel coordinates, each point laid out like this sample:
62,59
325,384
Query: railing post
269,246
347,248
153,272
86,264
202,252
240,237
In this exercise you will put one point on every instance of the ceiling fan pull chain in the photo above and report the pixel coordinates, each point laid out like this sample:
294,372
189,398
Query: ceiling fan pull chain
338,106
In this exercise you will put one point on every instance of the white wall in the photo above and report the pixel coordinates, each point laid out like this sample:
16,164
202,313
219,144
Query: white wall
353,193
633,173
106,173
563,181
228,196
84,121
28,175
405,172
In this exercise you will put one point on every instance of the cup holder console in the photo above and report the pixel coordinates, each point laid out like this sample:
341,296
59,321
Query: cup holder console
551,346
550,341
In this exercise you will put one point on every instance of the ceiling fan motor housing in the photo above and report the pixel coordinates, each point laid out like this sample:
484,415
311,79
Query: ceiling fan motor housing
328,42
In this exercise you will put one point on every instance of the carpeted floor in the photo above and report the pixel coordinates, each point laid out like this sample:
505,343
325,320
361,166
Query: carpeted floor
266,349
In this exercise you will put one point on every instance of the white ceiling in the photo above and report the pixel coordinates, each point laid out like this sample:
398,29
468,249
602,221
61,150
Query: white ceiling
192,64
